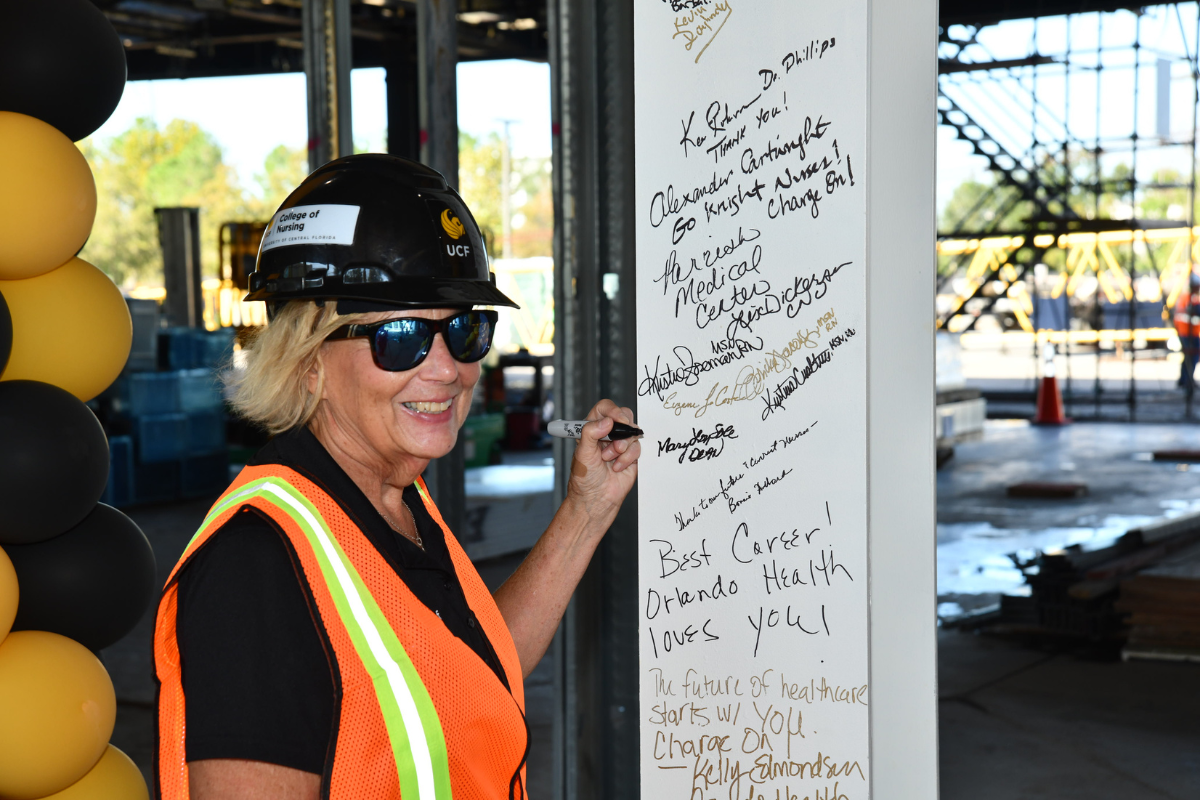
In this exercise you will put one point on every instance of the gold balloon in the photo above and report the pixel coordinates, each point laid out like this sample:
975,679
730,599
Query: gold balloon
71,328
8,594
57,709
115,777
47,197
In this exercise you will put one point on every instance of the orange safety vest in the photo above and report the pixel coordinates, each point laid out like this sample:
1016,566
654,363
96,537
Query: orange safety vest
419,714
1185,324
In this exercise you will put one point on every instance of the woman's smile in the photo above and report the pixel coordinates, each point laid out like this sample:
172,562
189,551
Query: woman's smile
427,407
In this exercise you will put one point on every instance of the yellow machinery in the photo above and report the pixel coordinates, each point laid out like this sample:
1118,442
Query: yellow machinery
223,305
1085,253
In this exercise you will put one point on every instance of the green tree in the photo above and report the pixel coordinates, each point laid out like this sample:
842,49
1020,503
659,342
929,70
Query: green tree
1165,203
480,178
977,206
479,171
533,220
146,168
283,171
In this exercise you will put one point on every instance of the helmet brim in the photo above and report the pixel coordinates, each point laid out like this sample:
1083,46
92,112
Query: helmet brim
404,293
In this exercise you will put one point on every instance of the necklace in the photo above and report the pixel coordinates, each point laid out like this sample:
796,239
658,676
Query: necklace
417,541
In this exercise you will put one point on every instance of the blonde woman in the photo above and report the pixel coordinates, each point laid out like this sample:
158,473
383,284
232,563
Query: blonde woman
324,635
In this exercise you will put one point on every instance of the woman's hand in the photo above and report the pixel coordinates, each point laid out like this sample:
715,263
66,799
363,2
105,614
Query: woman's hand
602,473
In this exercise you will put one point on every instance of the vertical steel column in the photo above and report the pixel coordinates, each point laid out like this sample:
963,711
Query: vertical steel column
179,238
1189,385
437,61
591,55
326,30
1133,193
403,100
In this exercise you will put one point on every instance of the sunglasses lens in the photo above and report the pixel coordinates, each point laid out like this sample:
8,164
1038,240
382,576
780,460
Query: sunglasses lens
402,344
469,335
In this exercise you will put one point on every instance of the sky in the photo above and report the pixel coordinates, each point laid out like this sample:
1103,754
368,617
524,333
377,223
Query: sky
251,115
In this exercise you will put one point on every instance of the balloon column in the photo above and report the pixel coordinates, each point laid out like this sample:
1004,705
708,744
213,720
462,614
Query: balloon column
75,574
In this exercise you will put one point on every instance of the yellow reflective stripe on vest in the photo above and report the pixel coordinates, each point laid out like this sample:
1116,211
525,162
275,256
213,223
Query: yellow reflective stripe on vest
413,727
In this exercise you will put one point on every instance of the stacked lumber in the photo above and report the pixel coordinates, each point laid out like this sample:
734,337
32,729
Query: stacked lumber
1163,604
1075,592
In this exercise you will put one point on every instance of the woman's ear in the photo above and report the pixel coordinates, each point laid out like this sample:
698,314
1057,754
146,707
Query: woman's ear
312,378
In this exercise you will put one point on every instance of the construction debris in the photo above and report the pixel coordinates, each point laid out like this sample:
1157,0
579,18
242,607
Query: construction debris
1163,604
1043,490
1180,456
1151,572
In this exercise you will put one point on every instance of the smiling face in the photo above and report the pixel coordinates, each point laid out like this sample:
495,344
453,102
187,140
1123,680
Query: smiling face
411,416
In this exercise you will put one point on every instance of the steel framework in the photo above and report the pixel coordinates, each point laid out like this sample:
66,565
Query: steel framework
1092,201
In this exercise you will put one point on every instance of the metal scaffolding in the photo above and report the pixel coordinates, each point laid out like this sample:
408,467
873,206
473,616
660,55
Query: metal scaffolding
1086,235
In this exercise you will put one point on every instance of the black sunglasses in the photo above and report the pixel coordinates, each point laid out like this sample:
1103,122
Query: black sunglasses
401,344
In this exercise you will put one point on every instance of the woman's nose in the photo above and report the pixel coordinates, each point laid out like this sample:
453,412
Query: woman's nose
439,365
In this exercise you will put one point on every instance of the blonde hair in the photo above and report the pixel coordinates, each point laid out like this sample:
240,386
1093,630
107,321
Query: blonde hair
272,390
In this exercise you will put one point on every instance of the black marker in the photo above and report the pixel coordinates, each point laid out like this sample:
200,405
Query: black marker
573,429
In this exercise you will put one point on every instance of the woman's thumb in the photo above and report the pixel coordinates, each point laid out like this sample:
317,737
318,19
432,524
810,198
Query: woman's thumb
594,431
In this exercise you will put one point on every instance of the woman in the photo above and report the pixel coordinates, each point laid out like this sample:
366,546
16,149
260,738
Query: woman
324,635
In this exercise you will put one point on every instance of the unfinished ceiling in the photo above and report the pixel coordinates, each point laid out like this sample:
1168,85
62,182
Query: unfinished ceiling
200,38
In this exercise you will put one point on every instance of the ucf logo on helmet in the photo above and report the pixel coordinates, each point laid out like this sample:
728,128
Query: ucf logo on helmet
454,228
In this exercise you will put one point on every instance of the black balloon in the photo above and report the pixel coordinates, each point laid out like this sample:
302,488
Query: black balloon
91,584
53,461
5,334
61,62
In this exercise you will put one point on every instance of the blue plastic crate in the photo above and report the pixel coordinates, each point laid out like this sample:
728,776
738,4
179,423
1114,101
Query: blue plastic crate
213,348
199,390
193,348
202,476
119,490
205,432
152,393
156,483
161,437
176,349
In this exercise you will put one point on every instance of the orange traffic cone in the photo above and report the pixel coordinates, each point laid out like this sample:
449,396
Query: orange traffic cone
1049,399
1049,404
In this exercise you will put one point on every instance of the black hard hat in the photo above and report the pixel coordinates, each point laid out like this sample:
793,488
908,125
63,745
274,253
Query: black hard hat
379,230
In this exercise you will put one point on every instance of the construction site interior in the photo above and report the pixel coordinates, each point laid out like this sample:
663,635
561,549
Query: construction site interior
1068,533
1068,507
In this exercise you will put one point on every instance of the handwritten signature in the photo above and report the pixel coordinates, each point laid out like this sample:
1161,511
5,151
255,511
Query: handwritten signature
699,22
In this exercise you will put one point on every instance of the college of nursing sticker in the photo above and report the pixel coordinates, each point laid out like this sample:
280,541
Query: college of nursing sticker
317,224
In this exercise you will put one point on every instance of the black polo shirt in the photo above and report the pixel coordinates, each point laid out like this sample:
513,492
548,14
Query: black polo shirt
257,672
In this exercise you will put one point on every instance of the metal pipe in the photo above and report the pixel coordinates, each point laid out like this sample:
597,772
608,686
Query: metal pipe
327,60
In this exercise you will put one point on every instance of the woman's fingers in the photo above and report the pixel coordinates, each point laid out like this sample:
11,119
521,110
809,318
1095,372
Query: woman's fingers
617,454
604,408
629,456
593,432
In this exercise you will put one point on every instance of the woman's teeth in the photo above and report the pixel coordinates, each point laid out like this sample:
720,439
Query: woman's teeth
429,408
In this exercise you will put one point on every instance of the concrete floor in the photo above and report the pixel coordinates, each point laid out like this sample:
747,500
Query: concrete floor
1016,723
1008,375
1112,458
1023,723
